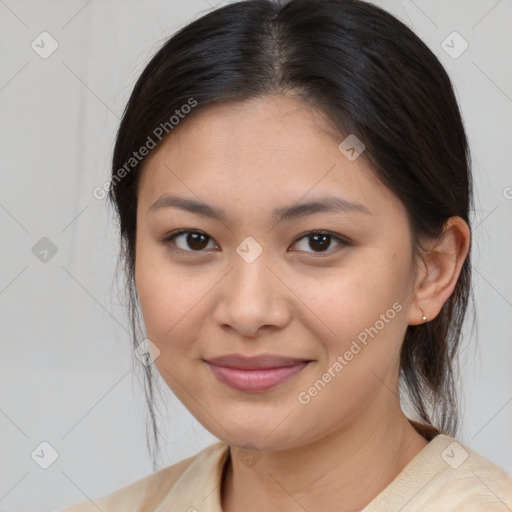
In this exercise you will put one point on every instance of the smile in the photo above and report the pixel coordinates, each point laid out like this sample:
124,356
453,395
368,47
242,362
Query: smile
255,375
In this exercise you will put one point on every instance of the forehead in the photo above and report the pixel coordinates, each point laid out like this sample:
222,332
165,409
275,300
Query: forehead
260,151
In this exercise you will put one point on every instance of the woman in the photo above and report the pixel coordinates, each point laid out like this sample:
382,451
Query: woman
293,187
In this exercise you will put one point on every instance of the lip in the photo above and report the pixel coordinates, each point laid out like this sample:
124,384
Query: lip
255,374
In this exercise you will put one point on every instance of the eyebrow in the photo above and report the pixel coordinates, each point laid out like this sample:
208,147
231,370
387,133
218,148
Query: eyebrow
327,204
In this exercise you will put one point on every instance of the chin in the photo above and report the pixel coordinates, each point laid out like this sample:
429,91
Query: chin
250,439
265,434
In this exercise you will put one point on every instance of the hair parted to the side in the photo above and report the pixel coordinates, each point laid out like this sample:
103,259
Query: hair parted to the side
369,75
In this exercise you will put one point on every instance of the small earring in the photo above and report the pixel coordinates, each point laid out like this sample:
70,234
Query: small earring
424,318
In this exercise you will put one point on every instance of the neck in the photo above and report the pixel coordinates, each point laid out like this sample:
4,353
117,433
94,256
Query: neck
341,472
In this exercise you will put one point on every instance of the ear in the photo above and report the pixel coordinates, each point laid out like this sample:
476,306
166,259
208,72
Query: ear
439,270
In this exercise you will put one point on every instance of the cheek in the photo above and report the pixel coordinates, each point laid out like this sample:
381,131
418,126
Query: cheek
360,320
362,326
342,303
171,300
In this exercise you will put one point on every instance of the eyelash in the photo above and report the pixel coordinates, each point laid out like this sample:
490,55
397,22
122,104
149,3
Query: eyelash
342,241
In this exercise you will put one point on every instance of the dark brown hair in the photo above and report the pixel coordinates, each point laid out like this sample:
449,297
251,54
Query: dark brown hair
371,76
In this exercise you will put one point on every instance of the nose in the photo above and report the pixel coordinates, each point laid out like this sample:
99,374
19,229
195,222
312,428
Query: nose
251,297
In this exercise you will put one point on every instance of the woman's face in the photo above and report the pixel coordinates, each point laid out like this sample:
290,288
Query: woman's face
254,278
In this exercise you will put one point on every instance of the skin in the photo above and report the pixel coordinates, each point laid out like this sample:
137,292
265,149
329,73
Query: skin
344,446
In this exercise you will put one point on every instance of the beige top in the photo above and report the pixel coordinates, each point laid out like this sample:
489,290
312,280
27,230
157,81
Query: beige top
444,476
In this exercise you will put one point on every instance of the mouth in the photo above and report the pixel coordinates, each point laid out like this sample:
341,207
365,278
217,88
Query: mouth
255,374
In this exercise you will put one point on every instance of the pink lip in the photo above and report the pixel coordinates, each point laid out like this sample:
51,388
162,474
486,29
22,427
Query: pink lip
255,374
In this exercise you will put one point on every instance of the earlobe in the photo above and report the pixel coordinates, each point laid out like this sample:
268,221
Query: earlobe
442,265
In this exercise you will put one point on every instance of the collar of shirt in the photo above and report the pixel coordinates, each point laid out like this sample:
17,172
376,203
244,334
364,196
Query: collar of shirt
198,488
444,472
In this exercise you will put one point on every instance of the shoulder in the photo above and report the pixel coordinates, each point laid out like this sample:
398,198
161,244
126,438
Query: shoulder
449,476
149,492
461,479
474,482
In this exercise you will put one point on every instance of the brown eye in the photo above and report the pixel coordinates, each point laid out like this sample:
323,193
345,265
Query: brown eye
319,242
188,240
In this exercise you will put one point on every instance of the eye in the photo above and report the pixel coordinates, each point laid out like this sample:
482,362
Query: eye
320,241
195,240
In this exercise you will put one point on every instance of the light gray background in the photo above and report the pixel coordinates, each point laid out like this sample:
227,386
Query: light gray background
65,366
